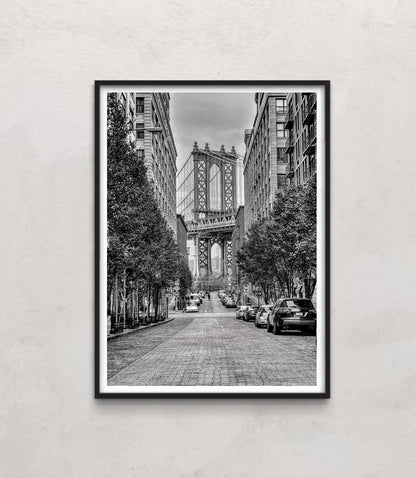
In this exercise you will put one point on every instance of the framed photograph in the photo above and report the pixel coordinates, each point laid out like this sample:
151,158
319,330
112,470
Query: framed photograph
212,242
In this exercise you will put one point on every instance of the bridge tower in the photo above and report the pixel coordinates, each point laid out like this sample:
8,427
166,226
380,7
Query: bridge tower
209,211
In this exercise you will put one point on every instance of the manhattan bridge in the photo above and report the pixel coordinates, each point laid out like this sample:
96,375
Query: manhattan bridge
208,195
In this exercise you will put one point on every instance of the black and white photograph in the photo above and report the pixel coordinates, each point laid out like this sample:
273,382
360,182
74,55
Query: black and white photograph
212,239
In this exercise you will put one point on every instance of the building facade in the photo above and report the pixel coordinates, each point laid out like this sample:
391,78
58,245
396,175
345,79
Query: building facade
265,160
237,239
148,119
182,236
280,149
300,122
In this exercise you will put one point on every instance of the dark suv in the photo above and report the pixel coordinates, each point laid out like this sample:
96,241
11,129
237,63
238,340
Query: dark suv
292,313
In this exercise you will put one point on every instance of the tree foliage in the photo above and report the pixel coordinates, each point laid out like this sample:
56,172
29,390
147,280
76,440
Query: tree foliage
184,275
279,254
140,243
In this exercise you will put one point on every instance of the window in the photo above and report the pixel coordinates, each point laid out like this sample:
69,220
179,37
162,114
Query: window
140,130
281,181
281,132
281,156
139,105
141,153
303,303
280,105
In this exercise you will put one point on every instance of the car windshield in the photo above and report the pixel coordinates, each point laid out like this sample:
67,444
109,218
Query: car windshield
192,303
303,303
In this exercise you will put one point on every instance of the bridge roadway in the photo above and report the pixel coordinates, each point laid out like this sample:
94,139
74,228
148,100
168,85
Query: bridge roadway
211,347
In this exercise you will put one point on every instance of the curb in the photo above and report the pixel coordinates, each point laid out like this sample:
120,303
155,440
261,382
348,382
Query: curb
132,331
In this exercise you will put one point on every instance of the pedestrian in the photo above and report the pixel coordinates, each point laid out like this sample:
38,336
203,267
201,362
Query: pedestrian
209,297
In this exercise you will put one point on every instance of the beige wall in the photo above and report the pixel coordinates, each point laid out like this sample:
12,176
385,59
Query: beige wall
50,55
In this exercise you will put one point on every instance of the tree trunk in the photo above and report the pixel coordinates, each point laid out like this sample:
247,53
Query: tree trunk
124,298
116,299
156,295
149,293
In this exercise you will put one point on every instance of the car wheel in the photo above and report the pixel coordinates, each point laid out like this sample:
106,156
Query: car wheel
276,329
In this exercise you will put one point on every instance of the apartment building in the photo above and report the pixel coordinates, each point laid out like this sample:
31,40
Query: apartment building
300,123
148,119
280,149
265,159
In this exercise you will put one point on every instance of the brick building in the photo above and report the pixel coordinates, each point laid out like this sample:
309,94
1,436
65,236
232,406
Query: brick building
265,159
182,236
300,122
148,118
237,239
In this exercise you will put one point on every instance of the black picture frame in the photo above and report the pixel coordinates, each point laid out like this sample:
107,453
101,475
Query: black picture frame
325,84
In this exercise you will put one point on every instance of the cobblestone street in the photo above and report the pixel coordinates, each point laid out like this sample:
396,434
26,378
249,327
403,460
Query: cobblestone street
211,347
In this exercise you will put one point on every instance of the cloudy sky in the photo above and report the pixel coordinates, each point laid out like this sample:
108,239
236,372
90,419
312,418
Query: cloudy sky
214,118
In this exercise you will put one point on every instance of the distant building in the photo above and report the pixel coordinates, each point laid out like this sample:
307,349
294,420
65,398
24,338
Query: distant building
300,122
237,239
147,115
265,159
182,235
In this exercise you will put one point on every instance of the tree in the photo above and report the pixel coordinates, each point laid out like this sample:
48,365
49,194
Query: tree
292,230
306,237
184,275
282,231
141,247
281,250
255,258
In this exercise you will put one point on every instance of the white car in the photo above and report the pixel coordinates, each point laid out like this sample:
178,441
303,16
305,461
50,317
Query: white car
195,298
191,307
262,316
239,314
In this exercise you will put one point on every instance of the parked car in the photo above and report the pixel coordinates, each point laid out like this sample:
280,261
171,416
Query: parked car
262,315
239,313
202,294
230,302
292,313
250,313
221,293
191,307
224,299
195,298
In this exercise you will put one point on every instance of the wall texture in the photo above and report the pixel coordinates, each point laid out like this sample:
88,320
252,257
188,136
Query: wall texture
51,52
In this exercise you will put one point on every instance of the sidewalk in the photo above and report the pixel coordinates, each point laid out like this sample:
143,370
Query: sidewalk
138,329
175,312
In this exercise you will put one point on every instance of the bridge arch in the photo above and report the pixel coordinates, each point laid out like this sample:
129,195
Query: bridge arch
216,260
